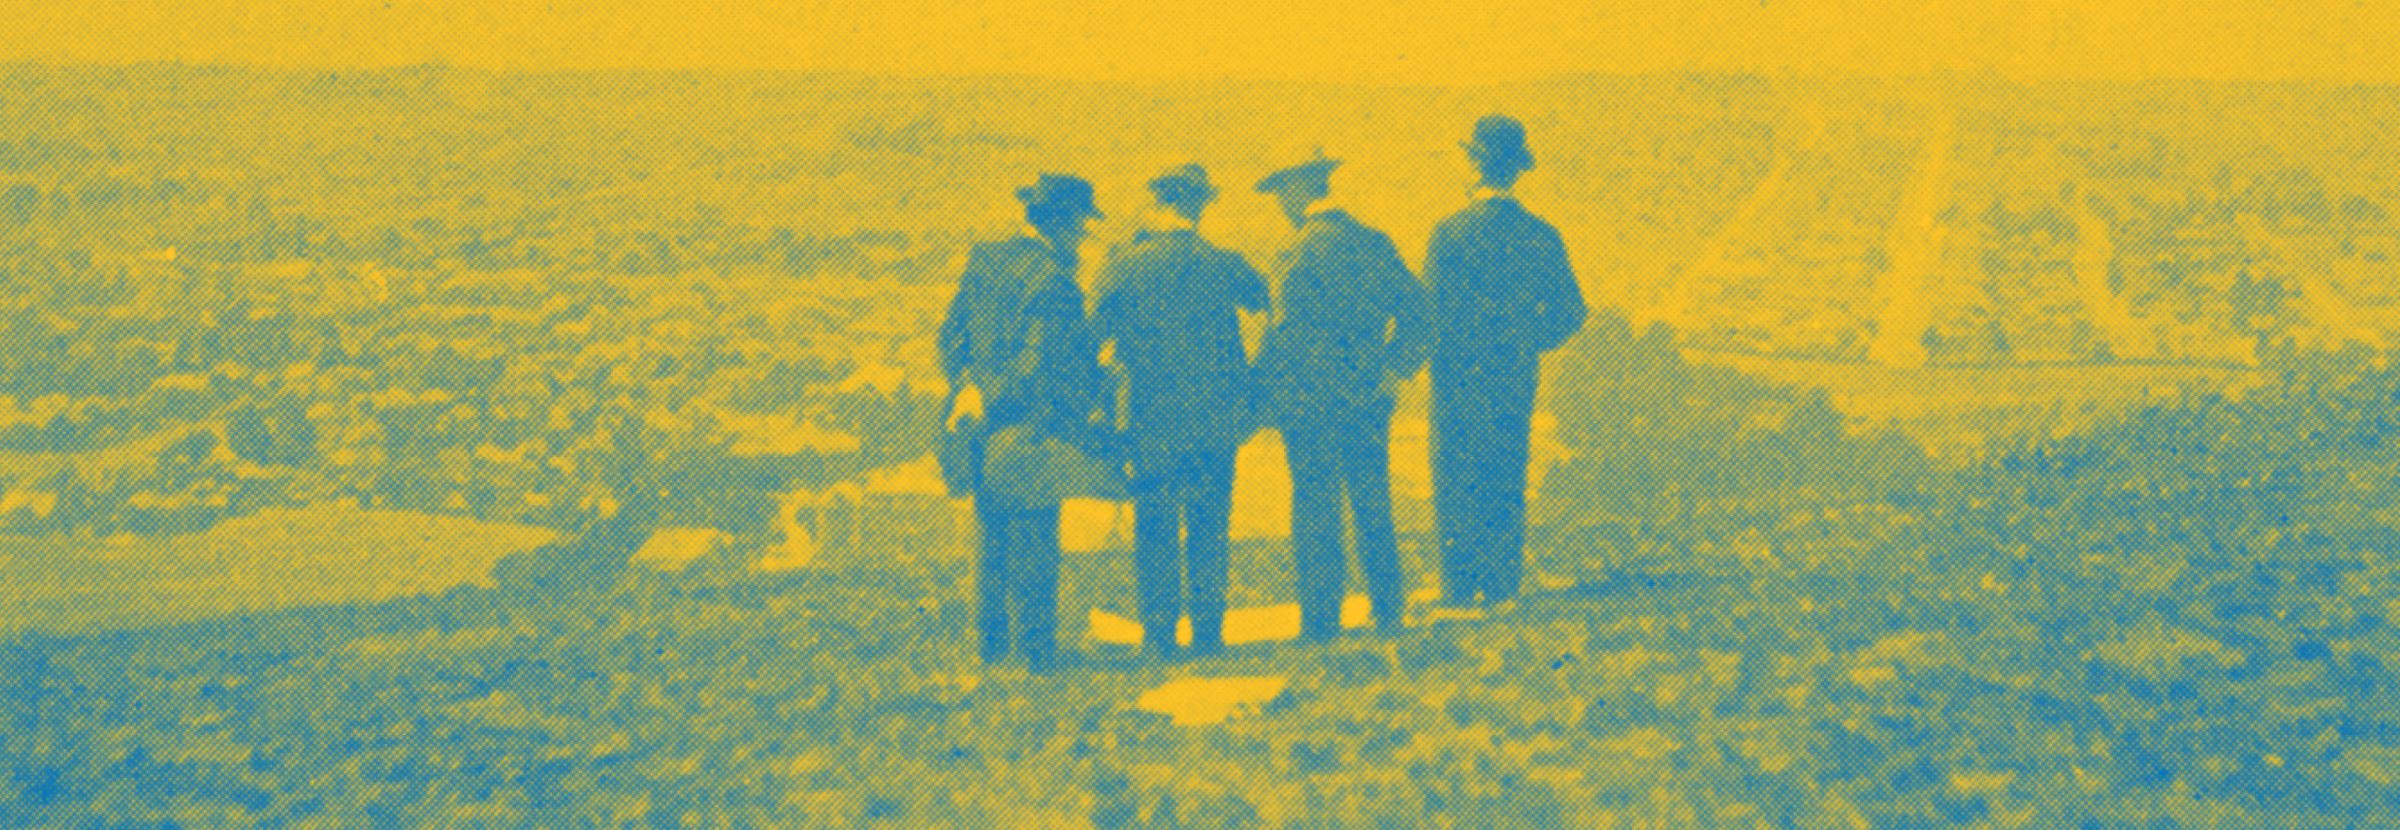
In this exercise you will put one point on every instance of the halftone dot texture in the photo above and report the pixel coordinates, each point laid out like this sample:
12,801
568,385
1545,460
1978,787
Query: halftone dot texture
426,446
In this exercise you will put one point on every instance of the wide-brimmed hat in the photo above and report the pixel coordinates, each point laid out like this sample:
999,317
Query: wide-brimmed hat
1500,142
1314,172
1059,195
1185,184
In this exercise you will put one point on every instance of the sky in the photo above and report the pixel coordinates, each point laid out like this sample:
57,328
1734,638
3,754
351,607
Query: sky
1390,41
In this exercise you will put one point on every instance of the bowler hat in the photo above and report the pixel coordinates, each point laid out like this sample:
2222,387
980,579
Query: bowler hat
1059,195
1500,141
1313,172
1184,185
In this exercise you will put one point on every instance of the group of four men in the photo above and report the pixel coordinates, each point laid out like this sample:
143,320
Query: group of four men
1349,322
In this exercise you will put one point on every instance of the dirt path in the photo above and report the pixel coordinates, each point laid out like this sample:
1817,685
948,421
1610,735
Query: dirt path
2337,320
2093,262
1914,249
1680,307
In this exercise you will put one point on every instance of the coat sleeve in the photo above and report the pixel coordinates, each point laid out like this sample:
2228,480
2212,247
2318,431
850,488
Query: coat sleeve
955,343
1047,313
1066,350
1111,301
1249,287
1410,307
1442,273
1274,346
1559,309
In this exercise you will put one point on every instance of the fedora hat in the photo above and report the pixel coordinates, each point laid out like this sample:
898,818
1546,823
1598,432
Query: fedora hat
1059,195
1311,173
1184,185
1500,141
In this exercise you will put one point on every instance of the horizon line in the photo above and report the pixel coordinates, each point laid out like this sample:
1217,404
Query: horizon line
1979,73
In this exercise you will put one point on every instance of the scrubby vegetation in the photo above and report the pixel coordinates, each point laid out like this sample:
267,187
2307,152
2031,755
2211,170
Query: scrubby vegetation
1758,607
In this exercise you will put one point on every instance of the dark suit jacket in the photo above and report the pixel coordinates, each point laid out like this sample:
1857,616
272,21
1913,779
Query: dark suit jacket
1503,293
1348,315
1017,330
1170,301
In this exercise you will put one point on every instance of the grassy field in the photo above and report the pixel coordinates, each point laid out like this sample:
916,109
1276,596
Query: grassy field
332,406
328,554
1840,668
1965,412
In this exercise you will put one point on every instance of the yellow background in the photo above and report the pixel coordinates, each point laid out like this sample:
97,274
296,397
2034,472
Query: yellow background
1401,41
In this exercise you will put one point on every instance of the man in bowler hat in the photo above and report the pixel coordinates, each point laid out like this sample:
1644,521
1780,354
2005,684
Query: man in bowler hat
1504,294
1168,303
1350,324
1019,350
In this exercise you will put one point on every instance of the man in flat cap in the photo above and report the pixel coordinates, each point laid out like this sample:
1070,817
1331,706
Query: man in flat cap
1350,324
1019,351
1504,294
1169,304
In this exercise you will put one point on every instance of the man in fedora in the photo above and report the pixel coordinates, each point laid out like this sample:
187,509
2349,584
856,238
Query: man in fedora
1019,351
1504,294
1168,303
1350,324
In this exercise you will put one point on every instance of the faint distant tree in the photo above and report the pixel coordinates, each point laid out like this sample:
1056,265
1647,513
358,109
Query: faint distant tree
189,452
2290,192
20,201
276,432
2360,210
2258,304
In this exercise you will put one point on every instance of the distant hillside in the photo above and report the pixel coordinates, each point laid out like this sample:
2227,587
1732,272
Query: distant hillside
2072,220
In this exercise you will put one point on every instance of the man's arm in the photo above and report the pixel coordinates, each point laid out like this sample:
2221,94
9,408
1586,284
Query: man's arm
1111,301
955,344
1061,348
1249,287
1442,269
1559,309
1410,307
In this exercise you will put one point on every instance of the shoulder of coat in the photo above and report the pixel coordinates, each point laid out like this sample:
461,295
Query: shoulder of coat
1021,254
1466,219
1537,223
1017,246
1328,223
1351,226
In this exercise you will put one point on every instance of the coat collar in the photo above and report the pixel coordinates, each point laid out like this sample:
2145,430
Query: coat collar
1064,259
1164,221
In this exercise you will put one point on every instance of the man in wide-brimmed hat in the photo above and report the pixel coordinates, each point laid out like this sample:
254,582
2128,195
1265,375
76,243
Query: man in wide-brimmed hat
1170,303
1350,324
1019,351
1504,294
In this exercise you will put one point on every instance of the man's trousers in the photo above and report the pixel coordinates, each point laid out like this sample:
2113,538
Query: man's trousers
1341,475
1182,515
1017,579
1482,436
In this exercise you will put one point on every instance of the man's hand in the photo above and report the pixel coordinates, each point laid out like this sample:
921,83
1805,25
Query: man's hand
968,404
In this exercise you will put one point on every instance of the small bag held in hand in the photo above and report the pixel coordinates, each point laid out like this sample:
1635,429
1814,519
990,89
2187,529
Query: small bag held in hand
1027,466
960,454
